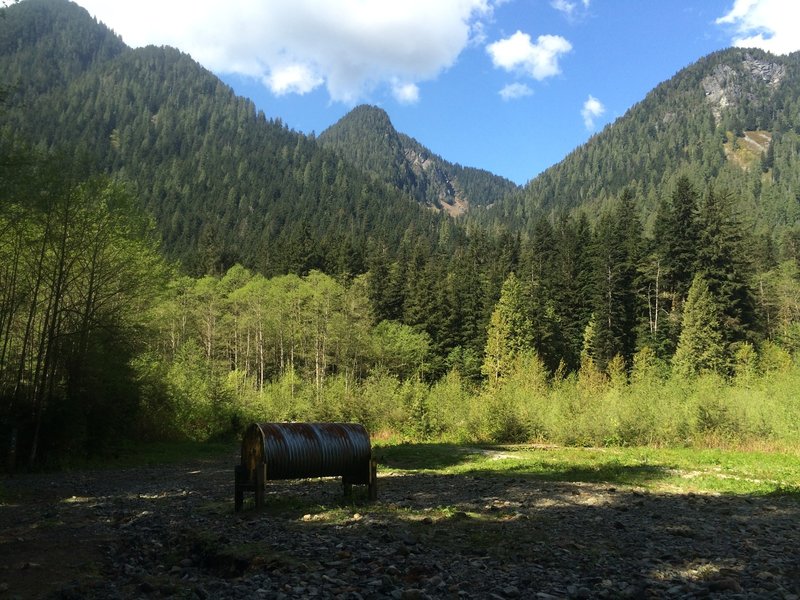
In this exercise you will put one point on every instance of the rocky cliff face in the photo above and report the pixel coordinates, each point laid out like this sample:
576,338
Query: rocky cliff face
728,86
443,192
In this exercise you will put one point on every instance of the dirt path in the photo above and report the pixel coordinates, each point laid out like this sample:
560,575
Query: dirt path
170,531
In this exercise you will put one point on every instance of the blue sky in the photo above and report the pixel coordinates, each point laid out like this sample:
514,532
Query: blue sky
511,86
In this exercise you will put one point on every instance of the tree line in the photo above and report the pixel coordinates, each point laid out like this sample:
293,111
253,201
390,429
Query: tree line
79,266
102,339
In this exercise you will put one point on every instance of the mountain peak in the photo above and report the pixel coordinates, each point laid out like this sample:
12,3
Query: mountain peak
366,137
369,113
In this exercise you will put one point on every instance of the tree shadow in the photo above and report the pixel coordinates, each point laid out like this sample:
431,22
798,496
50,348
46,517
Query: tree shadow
423,456
581,534
629,475
561,530
592,533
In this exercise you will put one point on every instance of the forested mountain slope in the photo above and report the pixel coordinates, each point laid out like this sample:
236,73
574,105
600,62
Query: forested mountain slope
732,118
224,183
648,255
367,138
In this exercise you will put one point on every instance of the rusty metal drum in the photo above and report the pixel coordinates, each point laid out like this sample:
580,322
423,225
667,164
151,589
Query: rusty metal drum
274,451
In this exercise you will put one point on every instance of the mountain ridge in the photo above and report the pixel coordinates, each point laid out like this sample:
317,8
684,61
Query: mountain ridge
703,122
692,123
224,183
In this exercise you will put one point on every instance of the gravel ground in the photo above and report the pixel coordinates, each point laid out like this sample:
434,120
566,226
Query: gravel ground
170,531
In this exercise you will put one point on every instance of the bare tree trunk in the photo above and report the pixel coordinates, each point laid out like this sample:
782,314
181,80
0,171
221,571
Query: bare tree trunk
8,308
260,342
235,343
29,325
658,295
51,329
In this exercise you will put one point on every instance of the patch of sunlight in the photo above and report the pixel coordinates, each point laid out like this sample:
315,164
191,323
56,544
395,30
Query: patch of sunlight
78,500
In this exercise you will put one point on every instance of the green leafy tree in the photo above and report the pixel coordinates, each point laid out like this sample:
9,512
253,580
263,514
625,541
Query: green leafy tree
400,349
83,269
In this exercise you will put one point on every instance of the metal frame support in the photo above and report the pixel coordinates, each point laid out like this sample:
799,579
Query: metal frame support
372,486
239,474
261,482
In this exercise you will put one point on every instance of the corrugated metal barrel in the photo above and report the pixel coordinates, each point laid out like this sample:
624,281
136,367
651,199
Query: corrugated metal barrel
299,450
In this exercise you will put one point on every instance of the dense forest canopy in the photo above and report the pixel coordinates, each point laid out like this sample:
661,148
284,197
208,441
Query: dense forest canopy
173,262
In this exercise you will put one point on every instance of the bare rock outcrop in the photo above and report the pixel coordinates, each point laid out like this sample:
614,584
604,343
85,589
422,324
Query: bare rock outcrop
728,86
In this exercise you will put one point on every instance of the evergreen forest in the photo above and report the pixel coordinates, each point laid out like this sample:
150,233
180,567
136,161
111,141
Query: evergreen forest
175,265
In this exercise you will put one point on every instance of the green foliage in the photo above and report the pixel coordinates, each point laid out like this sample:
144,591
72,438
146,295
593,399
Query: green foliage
617,240
701,347
509,333
514,409
80,269
399,349
725,266
224,183
322,290
201,400
681,127
677,235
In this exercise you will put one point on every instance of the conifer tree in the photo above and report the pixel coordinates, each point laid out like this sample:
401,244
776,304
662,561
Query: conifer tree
509,332
725,266
537,268
701,346
572,285
616,252
677,239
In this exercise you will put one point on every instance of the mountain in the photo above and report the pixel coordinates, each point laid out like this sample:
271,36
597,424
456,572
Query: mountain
731,119
367,138
562,267
224,183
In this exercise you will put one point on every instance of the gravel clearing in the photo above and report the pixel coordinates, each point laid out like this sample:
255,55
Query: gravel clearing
170,531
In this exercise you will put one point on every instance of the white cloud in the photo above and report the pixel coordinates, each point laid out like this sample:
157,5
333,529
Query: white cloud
771,25
592,109
350,46
513,91
405,93
569,7
292,79
518,53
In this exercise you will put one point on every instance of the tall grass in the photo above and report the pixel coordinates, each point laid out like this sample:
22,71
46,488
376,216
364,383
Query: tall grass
759,408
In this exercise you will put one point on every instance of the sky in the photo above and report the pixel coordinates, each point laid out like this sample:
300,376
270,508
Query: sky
510,86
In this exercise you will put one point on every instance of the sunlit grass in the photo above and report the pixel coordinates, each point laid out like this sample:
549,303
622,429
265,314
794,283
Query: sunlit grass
656,469
678,470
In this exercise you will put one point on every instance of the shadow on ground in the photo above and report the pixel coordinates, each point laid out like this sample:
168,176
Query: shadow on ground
560,530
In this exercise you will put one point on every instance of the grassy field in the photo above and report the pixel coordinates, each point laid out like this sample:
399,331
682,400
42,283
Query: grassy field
656,469
677,470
